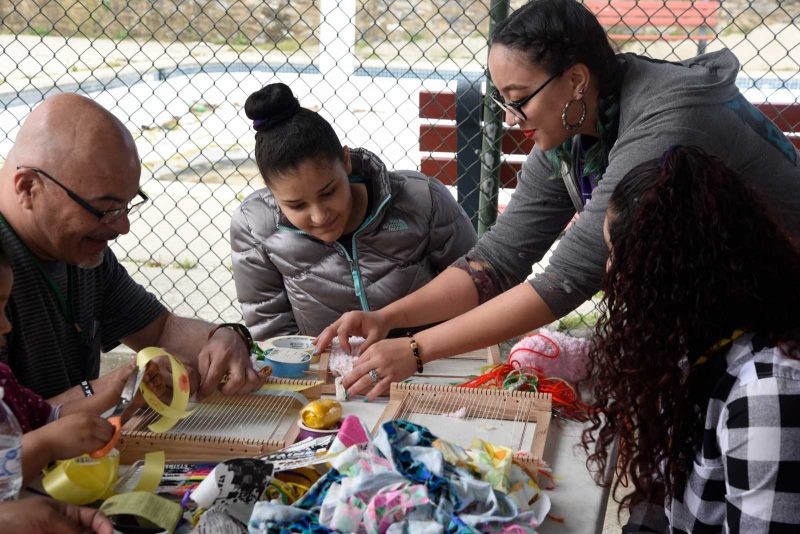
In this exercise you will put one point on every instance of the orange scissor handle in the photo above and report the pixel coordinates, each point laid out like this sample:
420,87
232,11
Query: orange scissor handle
117,422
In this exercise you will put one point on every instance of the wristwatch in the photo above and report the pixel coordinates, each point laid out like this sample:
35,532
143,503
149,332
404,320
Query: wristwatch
240,329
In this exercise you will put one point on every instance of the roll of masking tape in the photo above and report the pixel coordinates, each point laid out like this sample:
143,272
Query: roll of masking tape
285,345
303,343
288,363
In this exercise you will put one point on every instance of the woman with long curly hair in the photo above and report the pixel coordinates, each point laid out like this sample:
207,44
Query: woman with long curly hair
696,356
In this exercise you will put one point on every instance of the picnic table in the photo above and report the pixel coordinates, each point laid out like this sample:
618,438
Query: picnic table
576,498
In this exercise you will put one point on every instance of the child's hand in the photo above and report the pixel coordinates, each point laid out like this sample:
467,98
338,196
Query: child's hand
111,385
39,515
75,434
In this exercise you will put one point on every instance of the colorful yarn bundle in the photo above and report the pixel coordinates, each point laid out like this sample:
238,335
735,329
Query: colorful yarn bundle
513,377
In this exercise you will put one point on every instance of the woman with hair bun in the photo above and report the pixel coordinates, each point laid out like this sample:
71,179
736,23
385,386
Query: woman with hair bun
334,230
696,360
594,116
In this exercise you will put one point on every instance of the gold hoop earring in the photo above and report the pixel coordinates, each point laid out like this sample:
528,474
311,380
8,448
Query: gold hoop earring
572,126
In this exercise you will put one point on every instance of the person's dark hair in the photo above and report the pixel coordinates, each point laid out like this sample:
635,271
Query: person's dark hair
554,35
287,134
694,256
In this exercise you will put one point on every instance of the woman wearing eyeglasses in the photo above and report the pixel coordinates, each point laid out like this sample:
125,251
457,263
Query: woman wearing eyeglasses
594,116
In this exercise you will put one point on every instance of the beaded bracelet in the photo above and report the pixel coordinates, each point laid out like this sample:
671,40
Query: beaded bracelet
415,352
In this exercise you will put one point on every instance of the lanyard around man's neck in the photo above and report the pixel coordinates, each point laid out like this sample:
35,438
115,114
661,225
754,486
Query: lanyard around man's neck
64,303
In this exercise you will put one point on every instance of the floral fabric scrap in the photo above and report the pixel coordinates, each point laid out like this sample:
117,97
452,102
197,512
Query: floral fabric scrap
402,482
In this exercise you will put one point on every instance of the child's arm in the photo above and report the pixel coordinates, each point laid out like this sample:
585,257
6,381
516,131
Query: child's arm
759,455
66,437
78,429
106,386
103,399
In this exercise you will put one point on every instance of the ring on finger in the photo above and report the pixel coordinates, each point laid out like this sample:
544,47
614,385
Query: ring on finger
374,376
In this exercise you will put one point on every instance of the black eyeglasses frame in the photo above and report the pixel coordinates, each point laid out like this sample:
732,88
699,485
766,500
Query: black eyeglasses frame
103,216
515,107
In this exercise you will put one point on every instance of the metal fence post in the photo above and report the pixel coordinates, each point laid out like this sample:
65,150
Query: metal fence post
491,153
468,143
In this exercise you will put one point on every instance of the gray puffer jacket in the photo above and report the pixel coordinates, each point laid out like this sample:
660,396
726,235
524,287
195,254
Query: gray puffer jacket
289,282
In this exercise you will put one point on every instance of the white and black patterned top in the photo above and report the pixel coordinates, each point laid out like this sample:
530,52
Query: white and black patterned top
746,476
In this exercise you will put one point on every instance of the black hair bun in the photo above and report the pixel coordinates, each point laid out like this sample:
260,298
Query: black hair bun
271,105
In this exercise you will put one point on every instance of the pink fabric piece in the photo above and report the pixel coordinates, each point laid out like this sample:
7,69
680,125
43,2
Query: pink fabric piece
391,506
352,431
553,354
509,529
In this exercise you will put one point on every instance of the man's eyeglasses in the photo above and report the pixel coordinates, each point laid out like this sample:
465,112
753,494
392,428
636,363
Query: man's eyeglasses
105,217
515,107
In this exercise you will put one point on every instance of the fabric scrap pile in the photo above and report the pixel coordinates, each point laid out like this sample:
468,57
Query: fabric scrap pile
407,480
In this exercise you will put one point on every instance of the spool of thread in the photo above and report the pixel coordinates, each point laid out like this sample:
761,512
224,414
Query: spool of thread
288,363
321,414
306,432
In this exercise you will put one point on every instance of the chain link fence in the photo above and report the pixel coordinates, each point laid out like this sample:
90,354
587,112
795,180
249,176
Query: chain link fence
177,73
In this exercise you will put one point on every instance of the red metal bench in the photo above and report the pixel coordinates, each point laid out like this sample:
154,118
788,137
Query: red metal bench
438,137
646,20
438,141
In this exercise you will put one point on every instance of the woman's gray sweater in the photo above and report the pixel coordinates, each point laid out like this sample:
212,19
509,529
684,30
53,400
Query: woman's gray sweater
695,102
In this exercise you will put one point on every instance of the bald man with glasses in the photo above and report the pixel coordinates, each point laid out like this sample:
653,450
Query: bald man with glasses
67,189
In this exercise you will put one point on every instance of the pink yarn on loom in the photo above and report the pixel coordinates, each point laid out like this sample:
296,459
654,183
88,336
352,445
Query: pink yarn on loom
553,354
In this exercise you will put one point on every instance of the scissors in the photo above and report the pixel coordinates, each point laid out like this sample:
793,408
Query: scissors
128,393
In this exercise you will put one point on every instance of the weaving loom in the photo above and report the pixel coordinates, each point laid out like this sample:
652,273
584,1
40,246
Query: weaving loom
514,419
222,427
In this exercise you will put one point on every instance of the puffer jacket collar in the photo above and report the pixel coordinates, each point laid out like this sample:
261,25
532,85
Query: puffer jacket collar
367,165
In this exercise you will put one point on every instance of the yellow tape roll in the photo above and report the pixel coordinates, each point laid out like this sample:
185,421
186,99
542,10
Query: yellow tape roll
176,410
84,480
152,509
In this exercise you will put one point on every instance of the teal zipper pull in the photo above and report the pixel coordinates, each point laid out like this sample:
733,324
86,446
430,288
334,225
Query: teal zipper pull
356,282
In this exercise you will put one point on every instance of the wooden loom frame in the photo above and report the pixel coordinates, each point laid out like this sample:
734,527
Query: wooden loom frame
490,356
136,440
495,404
